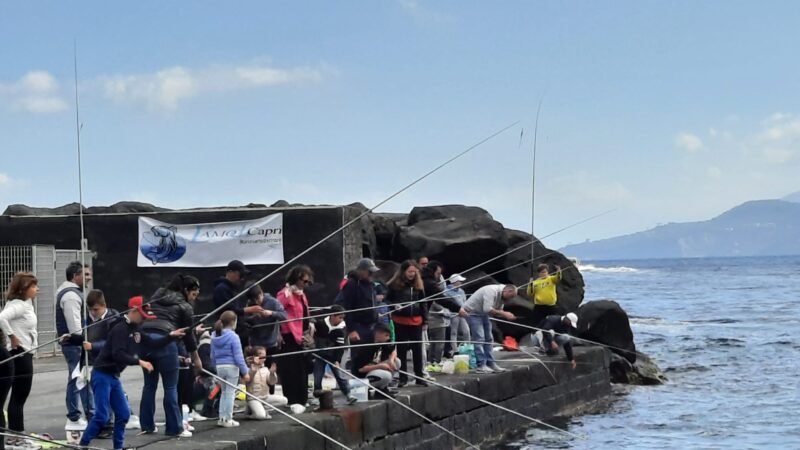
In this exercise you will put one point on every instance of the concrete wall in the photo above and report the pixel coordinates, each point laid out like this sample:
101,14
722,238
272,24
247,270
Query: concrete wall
384,425
114,239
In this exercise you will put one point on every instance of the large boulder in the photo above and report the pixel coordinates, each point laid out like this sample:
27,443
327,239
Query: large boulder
386,227
70,209
458,236
605,322
642,372
125,207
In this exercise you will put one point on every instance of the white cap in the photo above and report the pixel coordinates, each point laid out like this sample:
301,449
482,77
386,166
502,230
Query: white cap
573,319
456,277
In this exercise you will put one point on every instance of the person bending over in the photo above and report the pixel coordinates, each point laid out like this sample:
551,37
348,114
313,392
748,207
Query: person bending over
555,332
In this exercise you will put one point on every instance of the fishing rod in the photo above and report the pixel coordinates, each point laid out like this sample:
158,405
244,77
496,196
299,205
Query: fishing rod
568,335
78,127
274,408
396,343
508,252
533,179
412,410
18,434
358,218
503,408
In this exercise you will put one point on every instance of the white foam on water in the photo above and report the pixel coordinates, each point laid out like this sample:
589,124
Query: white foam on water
593,268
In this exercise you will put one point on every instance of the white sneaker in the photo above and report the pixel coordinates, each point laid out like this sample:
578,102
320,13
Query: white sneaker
498,369
197,417
227,423
483,369
133,423
76,425
187,426
185,434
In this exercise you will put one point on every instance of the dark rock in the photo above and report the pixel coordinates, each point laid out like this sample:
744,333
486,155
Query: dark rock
388,269
124,207
386,227
458,236
24,210
643,372
280,204
604,321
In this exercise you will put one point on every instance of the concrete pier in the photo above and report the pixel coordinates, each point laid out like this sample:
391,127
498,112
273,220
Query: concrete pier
527,388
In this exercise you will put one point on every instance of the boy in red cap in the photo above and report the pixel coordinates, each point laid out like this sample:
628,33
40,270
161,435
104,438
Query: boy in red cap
120,351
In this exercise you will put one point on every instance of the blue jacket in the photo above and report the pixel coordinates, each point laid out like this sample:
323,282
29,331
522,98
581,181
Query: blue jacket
227,349
263,330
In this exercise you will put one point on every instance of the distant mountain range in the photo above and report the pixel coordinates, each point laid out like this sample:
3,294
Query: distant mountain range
756,228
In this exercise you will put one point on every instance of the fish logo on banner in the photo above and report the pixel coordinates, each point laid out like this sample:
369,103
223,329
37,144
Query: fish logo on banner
258,241
162,244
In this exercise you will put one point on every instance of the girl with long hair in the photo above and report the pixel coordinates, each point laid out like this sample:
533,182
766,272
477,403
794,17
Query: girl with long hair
293,370
405,288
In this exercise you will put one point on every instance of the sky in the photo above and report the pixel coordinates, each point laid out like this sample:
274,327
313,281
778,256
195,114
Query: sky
660,111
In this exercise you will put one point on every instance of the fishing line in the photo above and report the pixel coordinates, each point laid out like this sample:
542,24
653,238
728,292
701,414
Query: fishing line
508,252
568,335
389,397
503,408
274,408
358,218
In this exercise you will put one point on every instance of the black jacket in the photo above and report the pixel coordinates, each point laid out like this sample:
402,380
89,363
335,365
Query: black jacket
556,324
224,290
97,333
433,288
354,295
406,294
363,356
330,337
172,311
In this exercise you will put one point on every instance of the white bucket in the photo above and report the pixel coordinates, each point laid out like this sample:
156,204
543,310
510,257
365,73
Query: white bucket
461,364
360,389
74,433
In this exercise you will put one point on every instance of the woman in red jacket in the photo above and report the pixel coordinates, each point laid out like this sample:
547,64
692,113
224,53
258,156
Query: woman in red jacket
293,370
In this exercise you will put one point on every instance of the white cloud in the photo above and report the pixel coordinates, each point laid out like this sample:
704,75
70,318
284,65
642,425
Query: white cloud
36,92
688,142
423,14
166,89
778,155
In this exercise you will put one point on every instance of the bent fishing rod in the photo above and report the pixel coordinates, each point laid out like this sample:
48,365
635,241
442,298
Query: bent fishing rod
403,405
359,217
275,408
487,402
508,252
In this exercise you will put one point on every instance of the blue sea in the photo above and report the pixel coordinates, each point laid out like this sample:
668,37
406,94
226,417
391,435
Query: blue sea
726,332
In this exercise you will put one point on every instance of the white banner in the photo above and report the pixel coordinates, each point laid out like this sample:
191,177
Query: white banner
258,241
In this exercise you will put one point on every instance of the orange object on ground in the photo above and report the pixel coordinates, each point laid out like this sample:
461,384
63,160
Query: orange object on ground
510,344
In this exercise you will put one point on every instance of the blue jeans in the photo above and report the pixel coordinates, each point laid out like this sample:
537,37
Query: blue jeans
165,365
480,328
109,394
73,353
230,374
319,373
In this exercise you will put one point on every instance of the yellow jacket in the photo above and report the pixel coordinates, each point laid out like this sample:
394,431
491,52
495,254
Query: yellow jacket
543,290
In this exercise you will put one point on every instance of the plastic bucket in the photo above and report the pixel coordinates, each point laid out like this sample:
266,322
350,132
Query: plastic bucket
360,390
461,364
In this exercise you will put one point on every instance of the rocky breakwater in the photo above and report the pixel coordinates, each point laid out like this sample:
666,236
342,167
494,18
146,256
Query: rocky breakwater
463,237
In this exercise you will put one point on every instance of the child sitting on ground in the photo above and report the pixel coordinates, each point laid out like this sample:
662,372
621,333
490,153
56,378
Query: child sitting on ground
261,379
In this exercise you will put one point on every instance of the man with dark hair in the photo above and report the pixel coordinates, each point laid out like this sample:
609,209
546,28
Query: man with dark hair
70,313
359,293
228,287
487,302
329,337
377,363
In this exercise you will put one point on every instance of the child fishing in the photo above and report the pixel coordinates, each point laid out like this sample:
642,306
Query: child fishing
543,292
226,352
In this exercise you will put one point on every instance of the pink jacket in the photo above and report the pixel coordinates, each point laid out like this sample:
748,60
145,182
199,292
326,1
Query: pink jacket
295,304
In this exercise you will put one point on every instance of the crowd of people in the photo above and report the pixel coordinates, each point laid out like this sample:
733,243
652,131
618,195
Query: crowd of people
257,340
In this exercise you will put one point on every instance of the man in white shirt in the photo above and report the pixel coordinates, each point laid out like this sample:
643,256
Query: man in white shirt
70,311
485,302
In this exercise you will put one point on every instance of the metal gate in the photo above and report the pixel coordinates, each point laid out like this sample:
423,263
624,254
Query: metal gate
49,265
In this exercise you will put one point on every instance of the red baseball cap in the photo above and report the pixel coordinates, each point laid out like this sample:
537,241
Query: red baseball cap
138,304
